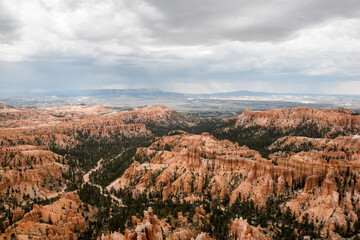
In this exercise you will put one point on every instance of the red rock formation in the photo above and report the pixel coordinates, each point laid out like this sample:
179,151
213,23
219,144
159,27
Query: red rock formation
61,126
31,181
59,220
29,171
241,230
185,163
194,166
151,228
180,234
325,122
203,236
148,229
311,183
18,213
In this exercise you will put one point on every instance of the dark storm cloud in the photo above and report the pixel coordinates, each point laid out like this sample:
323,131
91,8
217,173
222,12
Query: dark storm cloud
196,22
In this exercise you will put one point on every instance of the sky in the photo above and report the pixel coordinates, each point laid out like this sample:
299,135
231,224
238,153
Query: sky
197,46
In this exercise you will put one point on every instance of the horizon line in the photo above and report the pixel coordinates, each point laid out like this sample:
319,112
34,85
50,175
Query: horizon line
168,91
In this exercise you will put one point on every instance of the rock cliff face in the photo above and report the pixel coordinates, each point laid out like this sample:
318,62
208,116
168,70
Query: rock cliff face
317,155
150,228
194,167
241,230
296,121
62,127
30,172
27,165
62,219
164,117
331,169
54,127
341,150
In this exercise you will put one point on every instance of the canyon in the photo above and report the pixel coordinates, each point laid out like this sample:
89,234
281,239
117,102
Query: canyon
150,172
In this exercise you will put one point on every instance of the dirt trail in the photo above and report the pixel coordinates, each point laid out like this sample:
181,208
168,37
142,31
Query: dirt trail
52,195
87,175
86,179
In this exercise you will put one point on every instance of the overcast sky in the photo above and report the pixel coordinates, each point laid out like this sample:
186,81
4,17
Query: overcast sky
299,46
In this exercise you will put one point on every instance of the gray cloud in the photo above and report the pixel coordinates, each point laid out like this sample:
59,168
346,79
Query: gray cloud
8,25
196,22
202,45
51,76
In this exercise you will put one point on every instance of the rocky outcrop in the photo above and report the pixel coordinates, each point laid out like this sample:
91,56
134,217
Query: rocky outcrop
311,183
163,117
203,236
338,151
64,126
18,213
300,121
180,234
148,229
30,172
151,228
193,166
241,230
198,165
59,220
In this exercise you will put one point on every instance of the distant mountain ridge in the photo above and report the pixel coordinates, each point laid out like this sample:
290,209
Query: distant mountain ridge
223,104
153,92
92,92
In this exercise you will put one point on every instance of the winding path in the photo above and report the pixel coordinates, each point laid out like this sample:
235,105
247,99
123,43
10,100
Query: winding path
52,195
86,179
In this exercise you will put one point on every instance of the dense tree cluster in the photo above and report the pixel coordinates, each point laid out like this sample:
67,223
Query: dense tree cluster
113,168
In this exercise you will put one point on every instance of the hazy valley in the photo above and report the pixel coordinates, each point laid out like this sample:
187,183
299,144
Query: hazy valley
224,105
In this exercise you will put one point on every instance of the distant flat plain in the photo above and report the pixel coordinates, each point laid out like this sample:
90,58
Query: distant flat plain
224,105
